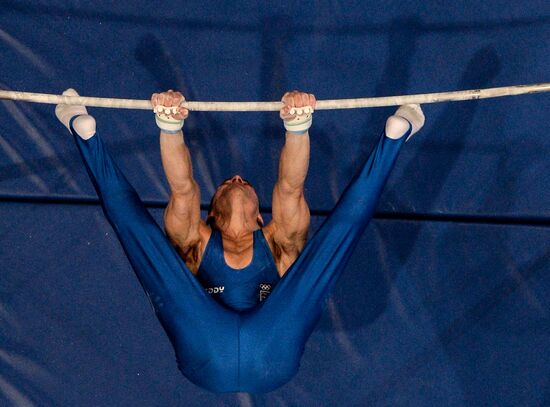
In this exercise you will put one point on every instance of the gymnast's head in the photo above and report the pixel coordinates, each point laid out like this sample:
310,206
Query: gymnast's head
235,199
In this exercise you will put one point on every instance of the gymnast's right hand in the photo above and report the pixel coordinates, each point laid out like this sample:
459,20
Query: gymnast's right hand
169,113
297,112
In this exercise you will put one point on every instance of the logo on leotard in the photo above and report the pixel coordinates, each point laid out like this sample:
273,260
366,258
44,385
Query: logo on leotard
215,290
265,290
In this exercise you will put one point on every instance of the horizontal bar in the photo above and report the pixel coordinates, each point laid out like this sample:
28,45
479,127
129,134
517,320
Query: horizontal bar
439,97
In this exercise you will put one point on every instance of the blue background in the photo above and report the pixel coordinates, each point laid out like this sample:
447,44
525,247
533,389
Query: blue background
446,300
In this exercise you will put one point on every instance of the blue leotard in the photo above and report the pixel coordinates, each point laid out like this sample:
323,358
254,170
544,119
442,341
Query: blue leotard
239,289
217,348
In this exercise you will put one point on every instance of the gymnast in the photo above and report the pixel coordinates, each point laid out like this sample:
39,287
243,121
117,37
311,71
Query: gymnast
237,300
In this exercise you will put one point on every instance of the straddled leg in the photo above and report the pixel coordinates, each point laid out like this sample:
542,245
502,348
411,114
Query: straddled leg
160,270
310,279
279,328
203,333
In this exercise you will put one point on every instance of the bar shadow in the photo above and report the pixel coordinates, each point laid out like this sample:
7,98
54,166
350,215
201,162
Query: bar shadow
362,295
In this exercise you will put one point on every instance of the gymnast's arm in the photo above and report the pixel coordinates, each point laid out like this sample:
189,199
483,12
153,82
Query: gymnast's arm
287,232
182,220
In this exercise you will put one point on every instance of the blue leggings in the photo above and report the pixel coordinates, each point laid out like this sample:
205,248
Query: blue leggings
258,350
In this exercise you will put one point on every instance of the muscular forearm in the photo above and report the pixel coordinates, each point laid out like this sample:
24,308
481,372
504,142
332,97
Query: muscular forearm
294,162
176,161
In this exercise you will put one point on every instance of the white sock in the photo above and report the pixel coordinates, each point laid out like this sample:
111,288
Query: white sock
396,127
414,115
84,125
407,116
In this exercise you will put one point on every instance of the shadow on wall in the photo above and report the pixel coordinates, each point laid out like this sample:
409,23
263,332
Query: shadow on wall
206,141
455,123
276,34
39,125
359,307
363,291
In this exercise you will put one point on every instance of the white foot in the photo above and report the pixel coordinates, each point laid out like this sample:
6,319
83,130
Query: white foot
396,127
84,125
414,115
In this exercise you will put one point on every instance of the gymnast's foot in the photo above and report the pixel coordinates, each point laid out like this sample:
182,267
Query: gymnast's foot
84,124
405,118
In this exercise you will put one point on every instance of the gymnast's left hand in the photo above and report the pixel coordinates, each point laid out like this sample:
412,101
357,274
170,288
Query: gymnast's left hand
170,104
296,100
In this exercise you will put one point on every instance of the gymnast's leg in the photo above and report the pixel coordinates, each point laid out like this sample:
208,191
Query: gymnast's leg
192,320
293,309
325,255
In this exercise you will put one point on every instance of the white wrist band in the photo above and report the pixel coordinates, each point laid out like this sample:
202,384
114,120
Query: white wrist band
302,122
166,123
